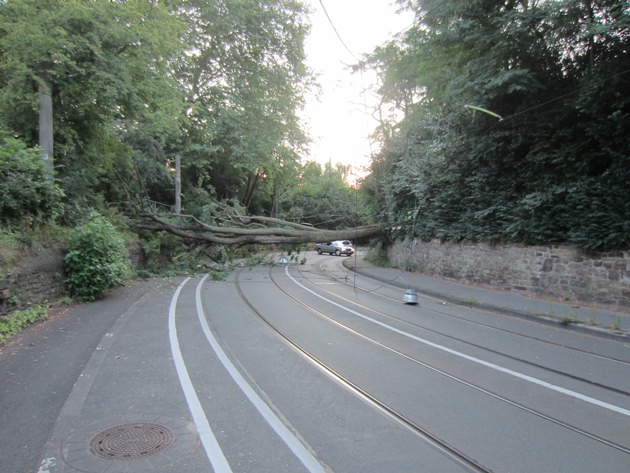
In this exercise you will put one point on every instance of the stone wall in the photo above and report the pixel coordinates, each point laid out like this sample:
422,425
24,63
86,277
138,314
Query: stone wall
39,276
557,271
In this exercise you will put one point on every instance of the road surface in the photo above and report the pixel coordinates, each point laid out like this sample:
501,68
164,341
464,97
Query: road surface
307,368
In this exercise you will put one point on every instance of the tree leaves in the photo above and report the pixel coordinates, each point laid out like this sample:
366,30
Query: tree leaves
554,169
27,192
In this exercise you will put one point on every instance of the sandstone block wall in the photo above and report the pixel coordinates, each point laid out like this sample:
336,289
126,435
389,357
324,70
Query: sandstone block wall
556,271
39,276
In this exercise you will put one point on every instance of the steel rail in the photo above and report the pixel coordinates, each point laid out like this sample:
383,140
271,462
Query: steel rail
478,388
440,445
482,347
481,324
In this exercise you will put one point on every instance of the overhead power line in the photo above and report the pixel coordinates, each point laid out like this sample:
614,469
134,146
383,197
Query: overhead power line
337,32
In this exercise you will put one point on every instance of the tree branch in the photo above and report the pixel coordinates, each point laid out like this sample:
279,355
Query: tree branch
283,232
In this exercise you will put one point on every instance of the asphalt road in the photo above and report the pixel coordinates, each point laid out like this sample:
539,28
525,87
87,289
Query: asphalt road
307,368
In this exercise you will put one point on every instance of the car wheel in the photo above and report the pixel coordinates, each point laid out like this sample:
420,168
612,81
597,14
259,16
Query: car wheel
337,253
319,251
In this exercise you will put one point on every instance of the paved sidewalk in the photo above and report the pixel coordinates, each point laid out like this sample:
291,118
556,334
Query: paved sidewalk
595,320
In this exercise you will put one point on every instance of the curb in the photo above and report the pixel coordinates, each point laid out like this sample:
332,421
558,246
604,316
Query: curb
547,319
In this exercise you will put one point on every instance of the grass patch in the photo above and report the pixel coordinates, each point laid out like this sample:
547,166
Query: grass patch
9,249
217,275
15,322
377,255
569,319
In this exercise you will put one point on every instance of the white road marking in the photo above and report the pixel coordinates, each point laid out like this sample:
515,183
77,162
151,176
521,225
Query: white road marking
524,377
209,441
298,449
46,464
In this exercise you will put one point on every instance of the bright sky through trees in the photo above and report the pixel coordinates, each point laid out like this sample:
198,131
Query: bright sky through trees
337,121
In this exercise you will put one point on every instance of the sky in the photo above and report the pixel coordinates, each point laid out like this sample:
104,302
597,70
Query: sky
337,121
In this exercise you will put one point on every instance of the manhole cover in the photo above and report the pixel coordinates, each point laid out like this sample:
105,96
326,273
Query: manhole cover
131,441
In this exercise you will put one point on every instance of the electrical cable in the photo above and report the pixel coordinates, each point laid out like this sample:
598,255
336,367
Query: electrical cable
337,32
365,111
568,94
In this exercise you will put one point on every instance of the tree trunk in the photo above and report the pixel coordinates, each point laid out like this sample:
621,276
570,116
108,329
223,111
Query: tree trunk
46,119
248,230
252,183
178,185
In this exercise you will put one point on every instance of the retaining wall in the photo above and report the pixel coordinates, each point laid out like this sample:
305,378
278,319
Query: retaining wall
556,271
39,276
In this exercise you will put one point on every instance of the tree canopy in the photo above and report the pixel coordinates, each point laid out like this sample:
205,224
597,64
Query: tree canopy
516,122
516,117
132,85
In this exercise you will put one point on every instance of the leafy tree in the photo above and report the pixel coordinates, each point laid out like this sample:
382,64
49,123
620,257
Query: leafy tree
321,198
556,165
27,193
133,84
106,68
244,77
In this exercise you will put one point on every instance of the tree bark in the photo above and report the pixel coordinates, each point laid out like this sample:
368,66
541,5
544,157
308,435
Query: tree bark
178,185
282,232
46,142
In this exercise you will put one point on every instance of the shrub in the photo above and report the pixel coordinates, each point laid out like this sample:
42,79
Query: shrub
96,259
27,191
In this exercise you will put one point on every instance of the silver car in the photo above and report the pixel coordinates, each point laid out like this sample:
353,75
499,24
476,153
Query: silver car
338,248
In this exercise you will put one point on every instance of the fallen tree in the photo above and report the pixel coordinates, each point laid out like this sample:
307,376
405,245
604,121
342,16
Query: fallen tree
241,230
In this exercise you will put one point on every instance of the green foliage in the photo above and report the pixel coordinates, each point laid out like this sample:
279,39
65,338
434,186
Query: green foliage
217,275
10,247
377,254
12,324
135,83
554,169
107,64
245,75
27,192
96,259
168,255
321,198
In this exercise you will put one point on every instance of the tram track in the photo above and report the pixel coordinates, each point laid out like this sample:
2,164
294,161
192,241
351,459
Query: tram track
346,279
419,430
533,364
444,447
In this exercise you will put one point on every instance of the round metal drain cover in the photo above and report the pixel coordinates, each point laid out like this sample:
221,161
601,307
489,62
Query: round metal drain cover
131,441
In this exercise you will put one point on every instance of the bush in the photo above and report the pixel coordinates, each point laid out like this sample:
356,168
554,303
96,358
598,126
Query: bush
27,192
96,259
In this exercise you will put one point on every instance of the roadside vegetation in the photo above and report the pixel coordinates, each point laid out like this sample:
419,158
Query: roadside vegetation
499,121
12,324
515,123
96,259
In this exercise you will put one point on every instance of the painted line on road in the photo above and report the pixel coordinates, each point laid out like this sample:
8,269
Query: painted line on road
298,449
209,441
516,374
